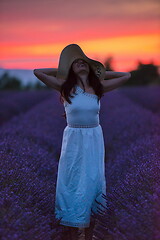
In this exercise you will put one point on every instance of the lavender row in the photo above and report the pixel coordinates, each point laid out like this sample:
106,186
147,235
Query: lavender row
132,136
30,146
17,102
146,96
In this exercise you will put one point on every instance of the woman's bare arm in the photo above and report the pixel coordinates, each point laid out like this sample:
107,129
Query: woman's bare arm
48,71
50,81
115,80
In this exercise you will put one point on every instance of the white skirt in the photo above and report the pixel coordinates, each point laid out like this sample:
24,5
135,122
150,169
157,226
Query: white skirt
81,176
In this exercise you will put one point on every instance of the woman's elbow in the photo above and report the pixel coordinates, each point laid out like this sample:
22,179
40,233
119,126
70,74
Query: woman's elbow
128,76
35,71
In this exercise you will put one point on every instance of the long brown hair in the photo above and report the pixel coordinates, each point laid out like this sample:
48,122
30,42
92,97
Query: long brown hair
71,81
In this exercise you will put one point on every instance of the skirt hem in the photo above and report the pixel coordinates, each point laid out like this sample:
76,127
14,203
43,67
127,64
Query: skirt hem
71,224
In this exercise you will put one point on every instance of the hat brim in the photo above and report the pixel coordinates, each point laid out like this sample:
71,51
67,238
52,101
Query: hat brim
72,52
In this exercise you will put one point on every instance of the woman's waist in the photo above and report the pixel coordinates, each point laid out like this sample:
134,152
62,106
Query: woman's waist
82,125
83,122
82,119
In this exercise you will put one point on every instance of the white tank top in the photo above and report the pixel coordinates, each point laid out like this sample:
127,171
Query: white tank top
84,109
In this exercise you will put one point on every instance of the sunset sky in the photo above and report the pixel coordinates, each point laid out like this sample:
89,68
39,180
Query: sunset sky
33,33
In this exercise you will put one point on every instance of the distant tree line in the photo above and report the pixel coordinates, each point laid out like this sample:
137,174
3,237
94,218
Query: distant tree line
145,74
14,83
8,82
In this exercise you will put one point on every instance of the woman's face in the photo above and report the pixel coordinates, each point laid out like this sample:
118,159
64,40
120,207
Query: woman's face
80,65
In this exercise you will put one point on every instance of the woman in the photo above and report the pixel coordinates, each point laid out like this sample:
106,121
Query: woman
81,172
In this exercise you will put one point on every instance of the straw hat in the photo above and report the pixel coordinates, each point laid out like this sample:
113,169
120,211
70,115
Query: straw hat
71,53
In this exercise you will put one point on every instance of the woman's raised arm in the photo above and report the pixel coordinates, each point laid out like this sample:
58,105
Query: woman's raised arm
114,80
48,71
47,76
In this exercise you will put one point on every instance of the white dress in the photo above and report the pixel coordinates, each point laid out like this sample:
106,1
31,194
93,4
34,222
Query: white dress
81,169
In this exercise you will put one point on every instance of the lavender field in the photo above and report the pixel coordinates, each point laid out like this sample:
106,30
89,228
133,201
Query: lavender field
17,102
30,144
